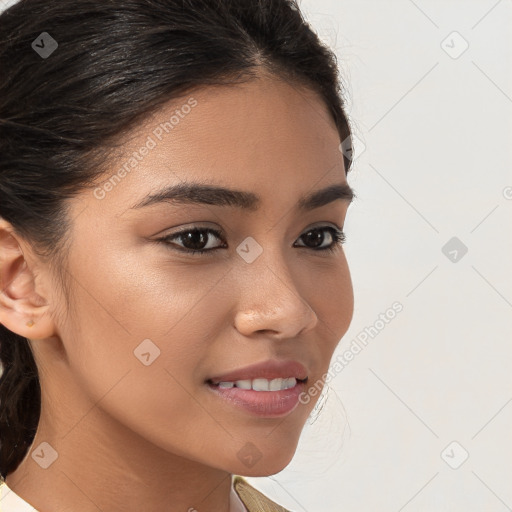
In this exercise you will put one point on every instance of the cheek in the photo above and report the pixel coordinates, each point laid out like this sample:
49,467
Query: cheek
135,348
132,313
338,306
330,293
332,298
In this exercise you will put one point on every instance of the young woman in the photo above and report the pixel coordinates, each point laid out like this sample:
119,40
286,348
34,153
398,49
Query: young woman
173,191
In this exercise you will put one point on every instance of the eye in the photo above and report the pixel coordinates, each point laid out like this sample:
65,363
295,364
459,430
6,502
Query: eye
317,238
198,240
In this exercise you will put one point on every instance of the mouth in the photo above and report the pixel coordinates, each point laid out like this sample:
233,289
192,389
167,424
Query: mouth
271,370
260,384
260,397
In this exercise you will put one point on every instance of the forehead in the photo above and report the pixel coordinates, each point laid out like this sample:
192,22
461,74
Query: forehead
265,136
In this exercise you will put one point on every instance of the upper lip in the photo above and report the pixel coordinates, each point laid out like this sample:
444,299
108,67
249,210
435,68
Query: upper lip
271,369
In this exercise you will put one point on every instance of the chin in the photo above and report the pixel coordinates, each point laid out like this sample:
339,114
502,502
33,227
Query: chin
261,471
266,466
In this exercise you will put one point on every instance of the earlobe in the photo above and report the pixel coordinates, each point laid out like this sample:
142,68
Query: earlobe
22,310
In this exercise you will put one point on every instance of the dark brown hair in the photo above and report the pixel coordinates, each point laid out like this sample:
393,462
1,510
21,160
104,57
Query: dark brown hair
117,62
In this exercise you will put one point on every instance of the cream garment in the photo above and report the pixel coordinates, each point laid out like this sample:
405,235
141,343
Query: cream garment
243,498
11,502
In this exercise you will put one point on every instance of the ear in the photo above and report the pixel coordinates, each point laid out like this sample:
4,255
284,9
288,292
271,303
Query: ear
22,310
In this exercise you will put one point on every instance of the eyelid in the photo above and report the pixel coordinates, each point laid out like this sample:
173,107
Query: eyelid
323,224
199,226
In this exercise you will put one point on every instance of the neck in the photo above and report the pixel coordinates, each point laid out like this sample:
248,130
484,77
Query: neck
103,466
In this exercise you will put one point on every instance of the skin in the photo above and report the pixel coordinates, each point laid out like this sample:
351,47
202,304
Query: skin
131,437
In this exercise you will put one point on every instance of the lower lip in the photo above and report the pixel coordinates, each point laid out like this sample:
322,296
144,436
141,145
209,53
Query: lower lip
269,404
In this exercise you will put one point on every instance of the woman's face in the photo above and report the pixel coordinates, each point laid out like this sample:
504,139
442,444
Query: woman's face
152,323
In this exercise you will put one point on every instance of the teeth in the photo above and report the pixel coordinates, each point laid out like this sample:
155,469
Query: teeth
275,384
243,384
261,384
226,384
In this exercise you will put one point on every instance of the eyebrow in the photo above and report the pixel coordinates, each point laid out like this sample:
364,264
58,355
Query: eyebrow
196,193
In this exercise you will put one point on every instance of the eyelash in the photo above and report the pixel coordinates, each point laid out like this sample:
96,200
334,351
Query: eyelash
339,238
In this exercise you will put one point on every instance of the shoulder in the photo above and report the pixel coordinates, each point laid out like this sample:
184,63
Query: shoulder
254,500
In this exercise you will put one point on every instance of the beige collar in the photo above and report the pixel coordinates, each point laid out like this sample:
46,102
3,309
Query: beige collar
254,500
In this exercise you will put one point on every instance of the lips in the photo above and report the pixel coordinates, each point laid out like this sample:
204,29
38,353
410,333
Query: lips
271,369
267,404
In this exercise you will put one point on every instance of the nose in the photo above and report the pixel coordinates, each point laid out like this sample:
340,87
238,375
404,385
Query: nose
273,305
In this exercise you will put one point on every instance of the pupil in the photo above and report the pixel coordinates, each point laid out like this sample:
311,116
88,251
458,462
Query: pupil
318,238
197,238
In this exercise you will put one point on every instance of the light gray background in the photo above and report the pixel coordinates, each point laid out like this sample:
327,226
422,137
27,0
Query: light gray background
433,162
